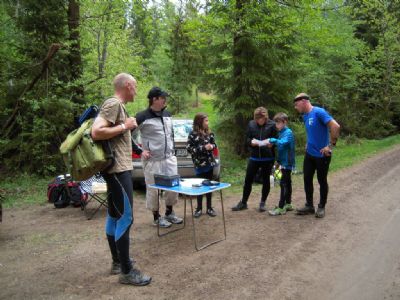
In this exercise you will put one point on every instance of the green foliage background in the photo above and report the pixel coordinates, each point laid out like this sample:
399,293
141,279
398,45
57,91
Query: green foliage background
223,57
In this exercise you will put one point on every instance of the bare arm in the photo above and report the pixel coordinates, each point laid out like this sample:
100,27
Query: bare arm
104,130
334,129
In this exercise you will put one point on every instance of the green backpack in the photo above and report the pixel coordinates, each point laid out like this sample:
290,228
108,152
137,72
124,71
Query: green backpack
83,156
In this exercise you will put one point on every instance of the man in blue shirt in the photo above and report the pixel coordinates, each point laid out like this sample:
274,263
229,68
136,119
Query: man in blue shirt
322,133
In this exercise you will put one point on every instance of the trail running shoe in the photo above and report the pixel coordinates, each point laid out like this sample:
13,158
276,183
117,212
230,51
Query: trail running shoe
163,222
289,207
116,267
320,213
262,207
174,219
277,211
211,212
239,206
134,277
306,210
197,213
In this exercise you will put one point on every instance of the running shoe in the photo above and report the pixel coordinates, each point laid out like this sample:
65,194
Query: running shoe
277,211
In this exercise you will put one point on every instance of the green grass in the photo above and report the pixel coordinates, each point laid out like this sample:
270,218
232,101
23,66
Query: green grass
346,155
205,106
23,190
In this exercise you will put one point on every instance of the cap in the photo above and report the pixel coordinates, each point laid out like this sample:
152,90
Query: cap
156,92
301,96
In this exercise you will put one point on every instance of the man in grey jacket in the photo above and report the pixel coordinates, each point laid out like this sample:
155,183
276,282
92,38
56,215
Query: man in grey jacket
158,157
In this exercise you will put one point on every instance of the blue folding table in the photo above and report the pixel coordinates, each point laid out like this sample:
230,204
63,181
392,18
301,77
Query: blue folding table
188,193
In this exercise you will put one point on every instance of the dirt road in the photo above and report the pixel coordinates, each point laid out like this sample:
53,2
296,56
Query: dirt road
353,253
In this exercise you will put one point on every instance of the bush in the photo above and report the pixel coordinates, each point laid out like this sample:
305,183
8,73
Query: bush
299,135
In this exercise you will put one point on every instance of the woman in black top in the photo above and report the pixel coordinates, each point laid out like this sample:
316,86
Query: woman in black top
262,156
200,144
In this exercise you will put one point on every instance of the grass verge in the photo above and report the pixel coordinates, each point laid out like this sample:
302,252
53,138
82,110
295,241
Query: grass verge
344,155
23,190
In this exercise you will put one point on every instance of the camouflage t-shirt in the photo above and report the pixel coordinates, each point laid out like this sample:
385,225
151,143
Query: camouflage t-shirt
114,112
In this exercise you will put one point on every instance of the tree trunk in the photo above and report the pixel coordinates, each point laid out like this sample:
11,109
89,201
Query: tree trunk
197,96
75,59
239,89
103,50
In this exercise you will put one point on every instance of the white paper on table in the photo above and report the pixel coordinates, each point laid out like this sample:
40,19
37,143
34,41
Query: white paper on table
188,182
260,143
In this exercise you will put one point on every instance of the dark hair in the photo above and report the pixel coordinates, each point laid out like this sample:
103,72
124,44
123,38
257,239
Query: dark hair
198,124
281,117
156,92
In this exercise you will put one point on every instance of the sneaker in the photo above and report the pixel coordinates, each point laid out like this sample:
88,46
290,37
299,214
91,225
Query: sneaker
306,210
134,277
240,206
262,207
320,213
288,207
211,212
163,222
174,219
197,213
116,267
277,211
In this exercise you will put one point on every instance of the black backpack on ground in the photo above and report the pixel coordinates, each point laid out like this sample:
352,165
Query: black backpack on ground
75,194
58,193
54,189
63,199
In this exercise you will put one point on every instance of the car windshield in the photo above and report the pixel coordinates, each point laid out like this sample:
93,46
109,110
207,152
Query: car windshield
182,128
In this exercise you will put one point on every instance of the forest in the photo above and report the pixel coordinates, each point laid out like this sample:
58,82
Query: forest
57,57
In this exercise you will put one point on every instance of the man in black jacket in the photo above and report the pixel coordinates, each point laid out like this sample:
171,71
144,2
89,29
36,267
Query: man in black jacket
262,156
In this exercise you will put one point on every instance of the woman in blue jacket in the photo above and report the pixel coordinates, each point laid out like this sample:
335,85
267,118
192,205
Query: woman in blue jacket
286,158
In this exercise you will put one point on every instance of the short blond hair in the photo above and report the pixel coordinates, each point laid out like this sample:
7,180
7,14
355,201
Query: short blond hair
120,80
260,112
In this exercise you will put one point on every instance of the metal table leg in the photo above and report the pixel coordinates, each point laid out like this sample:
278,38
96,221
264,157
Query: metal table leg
194,229
101,202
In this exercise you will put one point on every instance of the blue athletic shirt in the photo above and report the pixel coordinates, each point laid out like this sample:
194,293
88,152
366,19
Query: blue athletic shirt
317,130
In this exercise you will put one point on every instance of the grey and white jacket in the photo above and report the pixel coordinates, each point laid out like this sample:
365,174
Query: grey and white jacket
156,132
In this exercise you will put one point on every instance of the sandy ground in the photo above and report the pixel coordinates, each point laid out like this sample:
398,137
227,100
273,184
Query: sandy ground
353,253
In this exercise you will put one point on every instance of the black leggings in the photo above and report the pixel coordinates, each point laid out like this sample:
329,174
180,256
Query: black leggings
321,164
286,188
120,217
206,175
251,171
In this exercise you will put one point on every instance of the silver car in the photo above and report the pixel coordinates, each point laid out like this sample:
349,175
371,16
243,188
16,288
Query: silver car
182,128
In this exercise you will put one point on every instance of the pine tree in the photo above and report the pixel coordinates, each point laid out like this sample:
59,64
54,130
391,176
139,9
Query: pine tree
250,62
